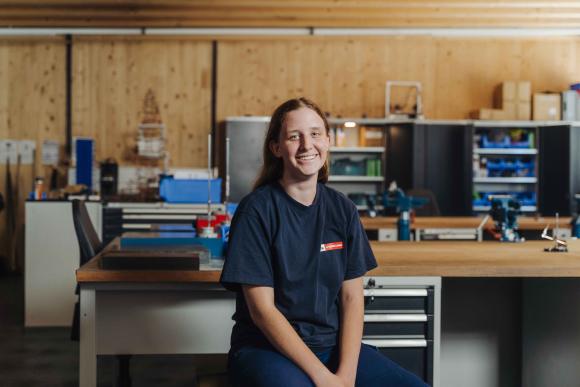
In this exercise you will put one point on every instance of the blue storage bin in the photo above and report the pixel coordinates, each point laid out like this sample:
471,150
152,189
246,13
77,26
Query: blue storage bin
525,198
525,169
189,190
520,144
504,143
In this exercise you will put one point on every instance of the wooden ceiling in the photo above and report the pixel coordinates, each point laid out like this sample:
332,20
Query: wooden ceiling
289,13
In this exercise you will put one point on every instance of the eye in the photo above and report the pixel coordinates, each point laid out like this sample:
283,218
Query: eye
316,133
294,137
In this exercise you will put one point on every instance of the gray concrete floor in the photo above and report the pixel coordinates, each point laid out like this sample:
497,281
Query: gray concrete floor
46,357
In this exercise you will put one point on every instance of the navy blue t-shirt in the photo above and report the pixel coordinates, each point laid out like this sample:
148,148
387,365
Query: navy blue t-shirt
303,252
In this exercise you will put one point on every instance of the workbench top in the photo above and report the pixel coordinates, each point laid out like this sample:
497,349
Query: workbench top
475,259
525,223
440,259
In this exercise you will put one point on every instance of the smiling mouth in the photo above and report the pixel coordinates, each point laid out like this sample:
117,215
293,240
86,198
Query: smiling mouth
306,157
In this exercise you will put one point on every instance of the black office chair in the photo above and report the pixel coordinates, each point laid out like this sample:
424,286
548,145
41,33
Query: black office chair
89,246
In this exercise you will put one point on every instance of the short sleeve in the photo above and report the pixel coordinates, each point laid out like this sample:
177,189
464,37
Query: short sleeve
360,257
248,258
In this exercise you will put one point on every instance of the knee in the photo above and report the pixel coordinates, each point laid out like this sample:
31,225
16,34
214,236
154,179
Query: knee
259,368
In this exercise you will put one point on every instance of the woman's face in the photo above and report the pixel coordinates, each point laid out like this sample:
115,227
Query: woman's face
303,144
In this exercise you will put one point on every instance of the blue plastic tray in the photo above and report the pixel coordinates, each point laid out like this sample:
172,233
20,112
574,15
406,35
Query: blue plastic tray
189,190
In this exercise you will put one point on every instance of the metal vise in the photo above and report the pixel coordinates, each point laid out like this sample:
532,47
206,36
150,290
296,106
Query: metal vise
504,211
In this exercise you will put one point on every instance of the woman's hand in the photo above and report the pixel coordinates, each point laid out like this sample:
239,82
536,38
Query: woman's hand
346,378
328,379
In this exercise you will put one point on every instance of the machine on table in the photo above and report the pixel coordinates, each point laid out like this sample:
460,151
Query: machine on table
395,197
504,211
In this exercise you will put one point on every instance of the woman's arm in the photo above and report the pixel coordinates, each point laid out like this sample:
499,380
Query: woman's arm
277,329
351,328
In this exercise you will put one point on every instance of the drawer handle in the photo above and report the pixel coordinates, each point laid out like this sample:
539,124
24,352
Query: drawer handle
395,317
136,226
395,292
396,343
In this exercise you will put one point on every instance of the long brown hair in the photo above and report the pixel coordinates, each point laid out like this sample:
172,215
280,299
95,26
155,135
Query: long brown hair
273,167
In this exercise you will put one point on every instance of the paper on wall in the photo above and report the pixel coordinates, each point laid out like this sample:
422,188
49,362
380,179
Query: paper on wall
50,151
8,151
26,148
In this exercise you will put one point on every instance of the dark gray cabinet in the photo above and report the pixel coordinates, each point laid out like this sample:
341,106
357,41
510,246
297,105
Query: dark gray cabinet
559,163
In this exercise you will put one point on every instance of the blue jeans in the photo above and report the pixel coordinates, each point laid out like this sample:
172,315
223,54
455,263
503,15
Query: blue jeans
266,367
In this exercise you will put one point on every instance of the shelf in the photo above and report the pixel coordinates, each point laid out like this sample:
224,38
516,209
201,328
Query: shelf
361,179
505,151
506,180
357,149
487,208
364,207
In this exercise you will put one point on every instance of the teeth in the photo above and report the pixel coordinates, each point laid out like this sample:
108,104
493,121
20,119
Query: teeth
306,157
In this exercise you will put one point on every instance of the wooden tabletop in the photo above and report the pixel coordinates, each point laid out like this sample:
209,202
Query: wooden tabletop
91,272
440,259
525,223
475,259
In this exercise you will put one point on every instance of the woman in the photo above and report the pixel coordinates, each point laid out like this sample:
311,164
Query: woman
297,253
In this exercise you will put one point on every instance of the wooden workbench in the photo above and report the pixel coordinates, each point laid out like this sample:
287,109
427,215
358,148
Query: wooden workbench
474,259
440,259
525,223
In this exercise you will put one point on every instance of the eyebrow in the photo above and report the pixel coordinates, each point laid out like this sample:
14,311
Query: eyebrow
297,131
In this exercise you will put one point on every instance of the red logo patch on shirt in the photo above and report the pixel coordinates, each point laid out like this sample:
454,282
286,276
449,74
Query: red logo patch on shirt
331,246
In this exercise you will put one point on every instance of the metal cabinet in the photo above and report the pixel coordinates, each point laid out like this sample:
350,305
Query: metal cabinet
51,258
402,319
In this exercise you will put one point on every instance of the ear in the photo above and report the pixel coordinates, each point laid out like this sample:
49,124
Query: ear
275,149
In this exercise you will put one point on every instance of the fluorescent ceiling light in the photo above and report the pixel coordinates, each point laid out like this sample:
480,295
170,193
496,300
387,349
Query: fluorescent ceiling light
227,31
460,32
68,31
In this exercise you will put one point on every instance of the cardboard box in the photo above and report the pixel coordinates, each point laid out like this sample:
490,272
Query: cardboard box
546,107
512,91
371,136
524,91
491,114
521,110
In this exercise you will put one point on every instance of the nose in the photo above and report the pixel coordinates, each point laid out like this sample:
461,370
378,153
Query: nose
305,142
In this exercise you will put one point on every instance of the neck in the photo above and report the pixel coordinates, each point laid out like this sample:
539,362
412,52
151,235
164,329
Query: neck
303,192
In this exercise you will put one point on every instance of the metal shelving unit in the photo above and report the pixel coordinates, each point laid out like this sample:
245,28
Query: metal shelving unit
506,180
501,151
357,174
357,149
355,179
505,160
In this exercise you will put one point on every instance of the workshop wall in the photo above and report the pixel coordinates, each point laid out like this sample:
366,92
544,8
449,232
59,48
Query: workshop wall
347,76
32,100
111,76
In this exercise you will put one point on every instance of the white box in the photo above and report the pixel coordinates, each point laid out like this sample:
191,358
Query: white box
570,105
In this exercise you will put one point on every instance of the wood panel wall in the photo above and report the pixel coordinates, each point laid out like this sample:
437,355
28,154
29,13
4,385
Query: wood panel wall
32,107
347,76
111,77
289,13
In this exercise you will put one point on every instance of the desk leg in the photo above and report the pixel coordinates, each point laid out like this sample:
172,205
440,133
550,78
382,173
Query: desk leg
88,348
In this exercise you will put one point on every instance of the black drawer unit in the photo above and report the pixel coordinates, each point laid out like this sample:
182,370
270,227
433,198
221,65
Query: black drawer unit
400,322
